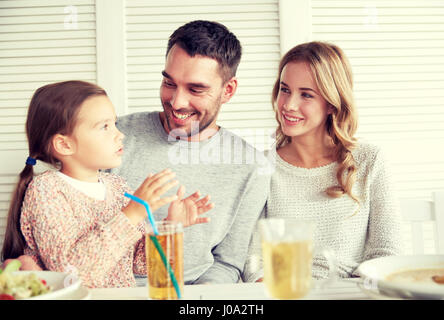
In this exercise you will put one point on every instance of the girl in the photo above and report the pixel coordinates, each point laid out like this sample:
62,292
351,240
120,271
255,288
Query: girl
323,173
78,216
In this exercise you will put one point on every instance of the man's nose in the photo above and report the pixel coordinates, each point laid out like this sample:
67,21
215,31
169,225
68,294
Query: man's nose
179,100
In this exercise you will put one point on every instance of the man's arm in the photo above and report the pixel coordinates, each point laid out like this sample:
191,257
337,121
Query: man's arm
231,253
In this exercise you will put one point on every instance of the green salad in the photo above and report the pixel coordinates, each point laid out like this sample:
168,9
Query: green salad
20,286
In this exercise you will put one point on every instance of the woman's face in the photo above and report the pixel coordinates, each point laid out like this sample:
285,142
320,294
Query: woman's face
302,109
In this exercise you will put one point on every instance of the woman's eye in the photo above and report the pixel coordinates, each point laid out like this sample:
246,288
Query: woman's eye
306,95
285,90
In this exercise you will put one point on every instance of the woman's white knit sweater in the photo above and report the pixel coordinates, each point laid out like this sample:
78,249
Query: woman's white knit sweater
355,233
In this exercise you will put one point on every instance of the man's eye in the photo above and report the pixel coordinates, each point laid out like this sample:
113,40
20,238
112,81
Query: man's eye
168,84
196,90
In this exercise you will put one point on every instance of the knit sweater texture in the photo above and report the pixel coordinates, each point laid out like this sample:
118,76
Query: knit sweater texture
354,232
67,231
233,173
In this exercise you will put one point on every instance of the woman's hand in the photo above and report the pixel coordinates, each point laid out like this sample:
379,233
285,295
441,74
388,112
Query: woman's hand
188,210
151,191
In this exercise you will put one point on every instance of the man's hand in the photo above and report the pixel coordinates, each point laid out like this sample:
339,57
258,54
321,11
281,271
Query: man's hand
188,210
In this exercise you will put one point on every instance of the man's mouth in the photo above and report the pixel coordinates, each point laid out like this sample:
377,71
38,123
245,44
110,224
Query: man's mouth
182,115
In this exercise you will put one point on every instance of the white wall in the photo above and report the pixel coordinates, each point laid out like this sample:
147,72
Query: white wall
396,49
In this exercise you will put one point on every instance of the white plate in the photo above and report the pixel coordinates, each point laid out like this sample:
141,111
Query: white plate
81,293
374,273
63,284
374,293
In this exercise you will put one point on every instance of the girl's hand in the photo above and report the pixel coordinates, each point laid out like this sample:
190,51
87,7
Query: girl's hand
151,191
188,210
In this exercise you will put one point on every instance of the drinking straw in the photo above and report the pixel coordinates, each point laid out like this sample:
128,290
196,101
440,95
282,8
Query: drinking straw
147,208
156,243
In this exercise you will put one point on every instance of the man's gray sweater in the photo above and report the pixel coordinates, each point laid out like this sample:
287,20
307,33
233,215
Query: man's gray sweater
226,167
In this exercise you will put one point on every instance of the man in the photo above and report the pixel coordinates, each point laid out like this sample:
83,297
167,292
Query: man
199,76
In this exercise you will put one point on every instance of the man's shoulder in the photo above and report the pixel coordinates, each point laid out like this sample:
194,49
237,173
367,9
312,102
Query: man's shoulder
255,159
238,139
135,120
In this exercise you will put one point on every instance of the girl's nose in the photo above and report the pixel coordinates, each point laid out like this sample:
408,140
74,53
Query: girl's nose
120,135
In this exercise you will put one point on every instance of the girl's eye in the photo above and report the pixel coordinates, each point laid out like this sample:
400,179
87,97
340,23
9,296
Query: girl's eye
105,126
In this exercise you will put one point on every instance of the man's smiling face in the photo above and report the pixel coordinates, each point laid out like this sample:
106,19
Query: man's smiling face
192,90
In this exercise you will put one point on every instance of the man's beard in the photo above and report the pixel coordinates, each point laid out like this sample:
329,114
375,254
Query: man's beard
195,129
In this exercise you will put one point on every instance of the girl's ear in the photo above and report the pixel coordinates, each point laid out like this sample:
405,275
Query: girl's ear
63,145
229,90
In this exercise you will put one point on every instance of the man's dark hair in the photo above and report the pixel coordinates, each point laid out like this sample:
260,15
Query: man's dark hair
209,39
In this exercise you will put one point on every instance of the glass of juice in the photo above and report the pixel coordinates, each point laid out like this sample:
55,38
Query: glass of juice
170,239
287,253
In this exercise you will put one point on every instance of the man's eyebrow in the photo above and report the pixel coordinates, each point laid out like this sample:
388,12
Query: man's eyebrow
191,84
166,75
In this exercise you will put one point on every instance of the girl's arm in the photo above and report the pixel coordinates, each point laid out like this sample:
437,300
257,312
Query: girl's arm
52,228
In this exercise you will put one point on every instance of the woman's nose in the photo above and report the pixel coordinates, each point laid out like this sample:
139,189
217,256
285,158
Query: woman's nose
291,104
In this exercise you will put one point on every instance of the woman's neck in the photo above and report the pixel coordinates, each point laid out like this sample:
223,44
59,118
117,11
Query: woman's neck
308,153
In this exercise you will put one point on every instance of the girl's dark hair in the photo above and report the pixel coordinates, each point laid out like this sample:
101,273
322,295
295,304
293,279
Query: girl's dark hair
209,39
53,110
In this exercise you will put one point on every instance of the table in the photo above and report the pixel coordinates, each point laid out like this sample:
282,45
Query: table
344,289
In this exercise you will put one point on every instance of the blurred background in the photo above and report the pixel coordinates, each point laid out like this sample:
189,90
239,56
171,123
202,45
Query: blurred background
396,49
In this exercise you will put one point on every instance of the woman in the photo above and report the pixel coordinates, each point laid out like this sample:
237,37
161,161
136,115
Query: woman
323,173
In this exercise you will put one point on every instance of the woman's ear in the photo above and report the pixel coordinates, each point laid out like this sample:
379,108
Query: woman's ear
63,145
330,109
229,90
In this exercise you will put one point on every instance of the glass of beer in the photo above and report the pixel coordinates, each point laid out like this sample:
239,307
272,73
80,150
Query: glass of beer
287,252
161,286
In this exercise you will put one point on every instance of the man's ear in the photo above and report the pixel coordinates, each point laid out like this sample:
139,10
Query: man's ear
63,145
229,89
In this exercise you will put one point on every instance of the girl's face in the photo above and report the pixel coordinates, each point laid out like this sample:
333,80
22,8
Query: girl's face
97,141
302,109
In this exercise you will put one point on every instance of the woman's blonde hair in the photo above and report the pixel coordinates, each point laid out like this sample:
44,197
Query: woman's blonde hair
332,74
